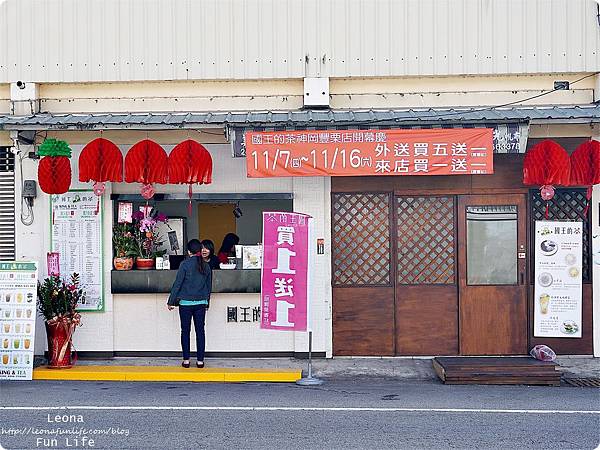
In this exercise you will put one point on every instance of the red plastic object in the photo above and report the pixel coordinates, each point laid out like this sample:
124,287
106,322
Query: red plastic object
59,335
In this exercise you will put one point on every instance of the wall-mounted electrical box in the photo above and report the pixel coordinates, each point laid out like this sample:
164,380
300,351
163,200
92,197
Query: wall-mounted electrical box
29,189
316,92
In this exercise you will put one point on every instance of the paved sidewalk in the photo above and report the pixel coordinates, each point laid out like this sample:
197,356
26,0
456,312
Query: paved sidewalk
579,366
349,367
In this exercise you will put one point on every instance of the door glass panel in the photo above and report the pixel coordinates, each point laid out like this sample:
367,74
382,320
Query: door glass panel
492,244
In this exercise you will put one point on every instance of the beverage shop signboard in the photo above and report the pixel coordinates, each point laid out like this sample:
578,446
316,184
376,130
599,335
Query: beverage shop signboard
453,151
558,281
77,237
285,269
18,294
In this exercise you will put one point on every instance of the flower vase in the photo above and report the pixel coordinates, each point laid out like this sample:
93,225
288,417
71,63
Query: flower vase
123,263
144,263
59,335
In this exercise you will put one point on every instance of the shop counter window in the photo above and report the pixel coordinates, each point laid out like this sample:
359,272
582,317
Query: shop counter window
212,218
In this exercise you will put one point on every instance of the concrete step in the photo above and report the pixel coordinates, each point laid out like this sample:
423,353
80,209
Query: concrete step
167,373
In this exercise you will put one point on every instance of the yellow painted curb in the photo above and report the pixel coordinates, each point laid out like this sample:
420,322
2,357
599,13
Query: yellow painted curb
166,373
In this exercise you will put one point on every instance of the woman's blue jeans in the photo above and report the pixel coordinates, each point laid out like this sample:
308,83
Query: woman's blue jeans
186,314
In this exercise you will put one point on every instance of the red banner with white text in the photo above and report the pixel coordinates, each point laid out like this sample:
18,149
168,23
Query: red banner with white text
438,151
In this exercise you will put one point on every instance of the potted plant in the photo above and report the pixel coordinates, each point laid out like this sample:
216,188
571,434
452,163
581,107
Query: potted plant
58,305
147,238
124,246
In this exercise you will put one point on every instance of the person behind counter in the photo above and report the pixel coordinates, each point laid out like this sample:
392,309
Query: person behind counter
208,254
191,292
228,247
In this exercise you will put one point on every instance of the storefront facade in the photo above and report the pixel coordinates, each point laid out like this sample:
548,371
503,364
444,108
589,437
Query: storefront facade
427,285
407,293
135,320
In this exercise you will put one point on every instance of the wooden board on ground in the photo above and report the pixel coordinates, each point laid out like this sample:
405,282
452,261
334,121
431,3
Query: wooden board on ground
496,370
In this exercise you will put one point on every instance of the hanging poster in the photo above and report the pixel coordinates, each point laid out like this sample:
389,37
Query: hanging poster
438,151
77,237
284,280
558,282
18,295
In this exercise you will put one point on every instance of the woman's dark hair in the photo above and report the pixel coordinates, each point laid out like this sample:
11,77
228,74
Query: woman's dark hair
209,245
195,247
229,241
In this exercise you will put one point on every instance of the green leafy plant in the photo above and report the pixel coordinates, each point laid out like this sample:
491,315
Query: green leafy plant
124,241
58,299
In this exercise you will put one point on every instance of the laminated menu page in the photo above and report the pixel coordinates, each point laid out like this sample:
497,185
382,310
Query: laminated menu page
558,279
18,294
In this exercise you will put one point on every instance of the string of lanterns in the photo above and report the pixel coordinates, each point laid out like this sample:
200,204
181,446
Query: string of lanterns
546,164
146,162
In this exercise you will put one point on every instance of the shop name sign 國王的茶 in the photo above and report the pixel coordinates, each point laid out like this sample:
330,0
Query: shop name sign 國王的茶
452,151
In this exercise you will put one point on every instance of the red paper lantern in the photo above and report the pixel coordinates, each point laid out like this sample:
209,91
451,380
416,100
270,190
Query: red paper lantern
101,161
54,169
190,163
546,164
585,167
146,163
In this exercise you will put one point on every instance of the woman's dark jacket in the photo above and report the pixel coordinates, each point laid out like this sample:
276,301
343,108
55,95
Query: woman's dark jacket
213,262
191,284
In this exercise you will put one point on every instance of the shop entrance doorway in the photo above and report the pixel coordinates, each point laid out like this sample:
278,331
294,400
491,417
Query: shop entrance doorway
429,274
492,278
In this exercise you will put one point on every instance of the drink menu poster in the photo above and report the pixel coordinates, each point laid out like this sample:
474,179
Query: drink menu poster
18,294
77,237
558,279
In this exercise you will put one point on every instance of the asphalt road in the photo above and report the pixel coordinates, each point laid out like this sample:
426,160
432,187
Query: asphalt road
364,414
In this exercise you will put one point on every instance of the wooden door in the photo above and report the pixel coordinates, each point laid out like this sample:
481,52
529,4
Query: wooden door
426,288
492,274
215,220
363,285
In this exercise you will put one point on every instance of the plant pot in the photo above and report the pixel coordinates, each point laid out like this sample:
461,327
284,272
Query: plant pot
144,263
123,263
59,344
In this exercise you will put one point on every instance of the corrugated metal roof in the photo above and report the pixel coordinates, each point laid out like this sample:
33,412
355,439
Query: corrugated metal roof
123,40
304,119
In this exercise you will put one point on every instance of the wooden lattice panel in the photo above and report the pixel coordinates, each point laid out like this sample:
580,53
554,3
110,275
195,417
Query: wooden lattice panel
426,240
567,204
361,239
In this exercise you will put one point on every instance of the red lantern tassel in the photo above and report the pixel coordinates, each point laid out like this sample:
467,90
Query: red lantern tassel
547,209
588,197
190,201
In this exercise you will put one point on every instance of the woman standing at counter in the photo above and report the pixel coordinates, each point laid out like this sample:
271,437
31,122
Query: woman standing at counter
191,292
208,254
228,247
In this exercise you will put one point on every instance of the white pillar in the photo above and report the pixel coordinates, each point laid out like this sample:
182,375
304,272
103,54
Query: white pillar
595,205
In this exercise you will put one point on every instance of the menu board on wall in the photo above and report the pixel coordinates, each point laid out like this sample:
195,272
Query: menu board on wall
558,282
77,237
18,286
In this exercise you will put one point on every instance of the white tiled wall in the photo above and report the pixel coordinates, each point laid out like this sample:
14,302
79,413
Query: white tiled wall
143,323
